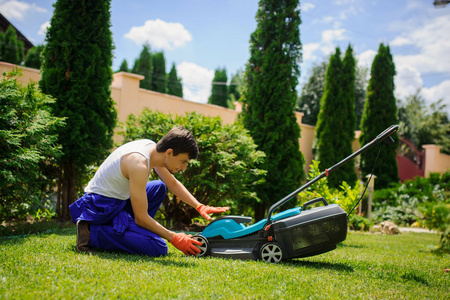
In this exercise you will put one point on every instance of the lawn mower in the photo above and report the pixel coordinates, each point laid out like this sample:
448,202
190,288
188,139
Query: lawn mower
294,233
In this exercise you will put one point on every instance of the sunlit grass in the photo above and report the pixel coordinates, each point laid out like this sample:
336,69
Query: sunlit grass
47,266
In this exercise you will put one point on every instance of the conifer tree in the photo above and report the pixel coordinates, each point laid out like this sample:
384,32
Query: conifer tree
269,101
77,72
219,90
380,112
144,66
174,86
336,120
11,48
159,76
124,66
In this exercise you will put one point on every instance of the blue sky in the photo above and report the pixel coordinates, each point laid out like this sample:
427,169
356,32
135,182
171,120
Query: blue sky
199,36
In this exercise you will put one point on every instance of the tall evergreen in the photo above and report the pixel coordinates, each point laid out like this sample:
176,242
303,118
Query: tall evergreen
347,172
336,120
380,112
269,101
124,66
174,86
219,90
77,72
11,48
144,66
159,76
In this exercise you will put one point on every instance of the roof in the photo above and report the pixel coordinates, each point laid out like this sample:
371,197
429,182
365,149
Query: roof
4,23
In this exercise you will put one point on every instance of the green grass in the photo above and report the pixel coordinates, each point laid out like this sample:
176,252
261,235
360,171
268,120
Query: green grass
47,266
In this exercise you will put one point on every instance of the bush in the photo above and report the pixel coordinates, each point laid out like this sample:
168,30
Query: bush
436,215
226,171
400,203
27,148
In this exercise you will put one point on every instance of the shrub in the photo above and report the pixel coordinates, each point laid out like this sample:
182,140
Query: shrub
27,148
400,203
436,215
226,171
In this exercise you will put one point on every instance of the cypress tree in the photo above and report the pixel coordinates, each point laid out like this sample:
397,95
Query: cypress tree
347,135
174,86
159,76
77,72
269,101
219,90
380,112
144,66
124,66
336,120
12,48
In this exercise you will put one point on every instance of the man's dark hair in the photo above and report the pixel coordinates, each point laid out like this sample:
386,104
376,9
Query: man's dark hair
180,140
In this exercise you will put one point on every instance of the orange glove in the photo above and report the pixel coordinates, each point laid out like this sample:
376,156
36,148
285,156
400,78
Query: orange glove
185,244
204,210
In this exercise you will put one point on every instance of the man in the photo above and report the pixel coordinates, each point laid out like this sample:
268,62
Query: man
118,208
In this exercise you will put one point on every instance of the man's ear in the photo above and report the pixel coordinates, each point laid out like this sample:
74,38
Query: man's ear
169,152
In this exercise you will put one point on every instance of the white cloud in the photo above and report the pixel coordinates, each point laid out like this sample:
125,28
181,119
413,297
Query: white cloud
407,80
18,10
196,81
431,40
160,34
307,6
44,27
309,49
329,36
365,59
437,92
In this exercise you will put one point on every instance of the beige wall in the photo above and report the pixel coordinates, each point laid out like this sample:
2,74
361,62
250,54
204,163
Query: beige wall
435,161
130,99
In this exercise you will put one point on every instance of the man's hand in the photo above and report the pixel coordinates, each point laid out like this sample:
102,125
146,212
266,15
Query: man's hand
185,244
205,210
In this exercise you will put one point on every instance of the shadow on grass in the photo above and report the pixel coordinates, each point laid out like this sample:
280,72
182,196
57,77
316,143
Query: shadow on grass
341,267
168,260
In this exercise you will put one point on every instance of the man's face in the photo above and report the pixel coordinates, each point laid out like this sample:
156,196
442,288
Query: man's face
176,163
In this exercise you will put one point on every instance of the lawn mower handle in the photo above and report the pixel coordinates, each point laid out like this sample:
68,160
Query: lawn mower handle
382,136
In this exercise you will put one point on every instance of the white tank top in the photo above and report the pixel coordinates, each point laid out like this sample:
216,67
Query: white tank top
108,180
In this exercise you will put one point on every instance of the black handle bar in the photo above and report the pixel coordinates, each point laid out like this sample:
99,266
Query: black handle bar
382,136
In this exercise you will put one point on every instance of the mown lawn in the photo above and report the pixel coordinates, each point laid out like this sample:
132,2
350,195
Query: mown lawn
47,266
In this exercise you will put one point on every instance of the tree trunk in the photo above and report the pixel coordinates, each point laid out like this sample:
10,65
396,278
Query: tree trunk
259,212
67,190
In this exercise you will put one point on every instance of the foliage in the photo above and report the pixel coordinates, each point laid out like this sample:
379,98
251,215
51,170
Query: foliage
159,76
34,57
336,121
359,223
226,171
174,86
436,215
269,100
363,267
77,72
235,88
424,125
144,66
401,203
28,148
346,196
11,48
219,90
124,66
309,100
380,112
